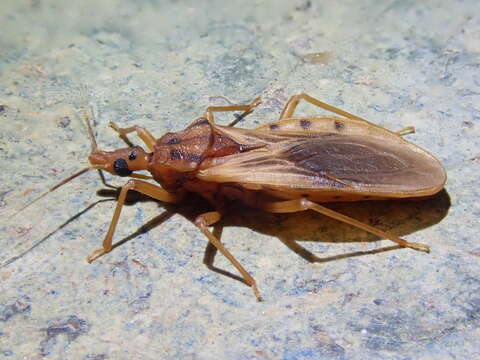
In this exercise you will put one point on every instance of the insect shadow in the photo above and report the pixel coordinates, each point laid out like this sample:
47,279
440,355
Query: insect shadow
398,217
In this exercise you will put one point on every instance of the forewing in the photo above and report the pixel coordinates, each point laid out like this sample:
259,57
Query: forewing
326,161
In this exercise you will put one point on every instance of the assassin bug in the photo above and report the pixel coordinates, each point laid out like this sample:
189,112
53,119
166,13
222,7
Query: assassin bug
285,166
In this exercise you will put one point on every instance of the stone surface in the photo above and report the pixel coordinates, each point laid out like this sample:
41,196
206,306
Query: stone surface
159,64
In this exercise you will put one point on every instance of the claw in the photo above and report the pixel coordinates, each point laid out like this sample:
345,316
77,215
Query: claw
115,127
257,293
407,130
257,101
419,247
95,255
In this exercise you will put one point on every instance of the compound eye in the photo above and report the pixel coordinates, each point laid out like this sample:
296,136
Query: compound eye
121,168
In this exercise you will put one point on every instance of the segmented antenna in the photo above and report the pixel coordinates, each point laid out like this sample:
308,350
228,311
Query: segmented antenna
91,135
86,114
63,182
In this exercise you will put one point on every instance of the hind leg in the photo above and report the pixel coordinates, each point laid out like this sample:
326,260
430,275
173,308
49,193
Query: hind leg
304,204
293,102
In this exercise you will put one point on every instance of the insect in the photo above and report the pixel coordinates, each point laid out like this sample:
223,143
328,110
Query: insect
286,166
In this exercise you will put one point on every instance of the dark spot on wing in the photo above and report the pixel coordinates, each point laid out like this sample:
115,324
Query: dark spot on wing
273,127
173,141
194,157
176,154
305,124
328,135
192,139
339,126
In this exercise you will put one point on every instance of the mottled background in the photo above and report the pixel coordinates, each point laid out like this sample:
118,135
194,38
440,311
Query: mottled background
331,292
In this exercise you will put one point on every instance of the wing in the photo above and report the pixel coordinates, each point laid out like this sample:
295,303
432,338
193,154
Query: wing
333,162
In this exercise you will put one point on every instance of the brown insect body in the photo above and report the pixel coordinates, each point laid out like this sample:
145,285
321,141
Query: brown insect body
280,167
352,163
178,156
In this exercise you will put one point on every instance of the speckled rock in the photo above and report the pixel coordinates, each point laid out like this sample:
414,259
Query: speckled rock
331,292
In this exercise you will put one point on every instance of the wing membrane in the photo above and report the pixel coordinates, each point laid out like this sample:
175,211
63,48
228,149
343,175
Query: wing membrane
326,162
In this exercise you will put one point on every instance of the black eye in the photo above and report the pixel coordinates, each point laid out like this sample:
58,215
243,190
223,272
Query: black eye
121,168
132,156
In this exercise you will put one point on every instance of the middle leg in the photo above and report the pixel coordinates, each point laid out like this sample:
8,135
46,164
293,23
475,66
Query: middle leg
247,109
210,218
211,251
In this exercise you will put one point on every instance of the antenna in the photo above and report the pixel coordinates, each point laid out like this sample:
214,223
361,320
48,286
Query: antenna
86,114
53,188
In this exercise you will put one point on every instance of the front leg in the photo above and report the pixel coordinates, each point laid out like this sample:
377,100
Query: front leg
142,133
142,187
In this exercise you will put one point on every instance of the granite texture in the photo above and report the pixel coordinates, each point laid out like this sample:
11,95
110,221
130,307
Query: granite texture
331,292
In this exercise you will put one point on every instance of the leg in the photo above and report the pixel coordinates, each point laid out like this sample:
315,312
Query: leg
247,109
210,218
211,251
304,204
292,104
142,133
142,187
406,131
104,181
140,176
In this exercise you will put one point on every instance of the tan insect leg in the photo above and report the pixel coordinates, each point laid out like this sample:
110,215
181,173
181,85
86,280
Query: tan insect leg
209,218
292,104
142,133
246,108
304,204
143,187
